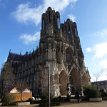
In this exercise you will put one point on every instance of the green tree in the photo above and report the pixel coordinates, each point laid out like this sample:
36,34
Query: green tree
91,92
7,77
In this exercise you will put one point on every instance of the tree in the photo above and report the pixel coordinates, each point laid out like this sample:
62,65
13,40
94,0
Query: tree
8,99
7,78
98,74
91,92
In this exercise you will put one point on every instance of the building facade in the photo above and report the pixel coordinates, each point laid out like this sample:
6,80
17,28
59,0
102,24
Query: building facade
59,52
101,85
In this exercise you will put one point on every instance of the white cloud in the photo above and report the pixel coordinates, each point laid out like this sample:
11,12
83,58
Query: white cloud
103,64
100,50
28,38
72,17
101,33
99,61
25,13
102,74
58,5
88,50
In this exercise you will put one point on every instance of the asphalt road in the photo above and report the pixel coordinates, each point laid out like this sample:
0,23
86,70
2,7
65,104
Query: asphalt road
86,104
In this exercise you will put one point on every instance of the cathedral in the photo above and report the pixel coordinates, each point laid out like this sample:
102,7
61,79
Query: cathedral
58,61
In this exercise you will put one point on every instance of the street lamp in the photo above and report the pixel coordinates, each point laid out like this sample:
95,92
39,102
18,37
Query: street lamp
49,85
81,87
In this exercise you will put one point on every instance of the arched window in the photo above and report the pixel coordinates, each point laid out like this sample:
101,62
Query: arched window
58,23
69,27
76,33
43,24
69,55
49,17
69,30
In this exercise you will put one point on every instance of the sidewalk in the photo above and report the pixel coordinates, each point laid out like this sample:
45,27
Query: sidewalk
33,105
84,104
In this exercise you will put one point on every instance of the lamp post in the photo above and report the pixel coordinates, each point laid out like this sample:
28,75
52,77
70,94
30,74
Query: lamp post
49,85
81,87
48,63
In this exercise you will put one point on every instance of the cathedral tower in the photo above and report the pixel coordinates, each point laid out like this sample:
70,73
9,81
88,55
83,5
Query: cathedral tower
64,56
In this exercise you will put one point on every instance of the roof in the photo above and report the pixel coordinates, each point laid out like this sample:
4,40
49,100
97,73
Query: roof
14,90
14,56
26,90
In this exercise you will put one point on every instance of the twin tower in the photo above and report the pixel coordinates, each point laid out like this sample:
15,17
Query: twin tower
61,49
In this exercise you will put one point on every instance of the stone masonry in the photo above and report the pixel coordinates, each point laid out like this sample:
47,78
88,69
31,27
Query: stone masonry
59,52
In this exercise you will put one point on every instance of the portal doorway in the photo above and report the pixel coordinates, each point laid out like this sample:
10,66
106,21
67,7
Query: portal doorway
63,80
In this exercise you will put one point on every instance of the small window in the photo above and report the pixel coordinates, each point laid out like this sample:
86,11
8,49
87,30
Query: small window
69,34
49,16
76,32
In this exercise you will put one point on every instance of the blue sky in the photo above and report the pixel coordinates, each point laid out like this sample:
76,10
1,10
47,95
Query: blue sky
20,22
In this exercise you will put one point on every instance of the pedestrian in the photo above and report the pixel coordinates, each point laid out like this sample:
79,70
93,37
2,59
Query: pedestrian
77,96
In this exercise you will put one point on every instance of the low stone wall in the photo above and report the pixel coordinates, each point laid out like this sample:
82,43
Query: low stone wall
23,103
73,100
95,99
104,98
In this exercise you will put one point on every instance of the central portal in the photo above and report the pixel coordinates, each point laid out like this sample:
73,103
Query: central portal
63,80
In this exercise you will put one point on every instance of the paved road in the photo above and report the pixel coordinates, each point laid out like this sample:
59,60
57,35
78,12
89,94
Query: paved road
87,104
34,105
90,104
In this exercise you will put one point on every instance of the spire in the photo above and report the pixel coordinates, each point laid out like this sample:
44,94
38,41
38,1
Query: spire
49,9
50,18
9,50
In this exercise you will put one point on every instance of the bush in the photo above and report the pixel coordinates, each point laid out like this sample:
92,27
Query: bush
55,101
91,92
45,102
103,93
8,99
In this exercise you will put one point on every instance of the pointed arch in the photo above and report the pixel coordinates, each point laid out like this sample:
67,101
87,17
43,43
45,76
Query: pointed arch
63,80
69,55
74,77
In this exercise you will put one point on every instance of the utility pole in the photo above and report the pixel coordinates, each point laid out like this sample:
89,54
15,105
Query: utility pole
49,73
49,84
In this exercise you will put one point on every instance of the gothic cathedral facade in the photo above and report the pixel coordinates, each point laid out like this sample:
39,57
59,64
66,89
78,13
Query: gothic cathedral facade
59,53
